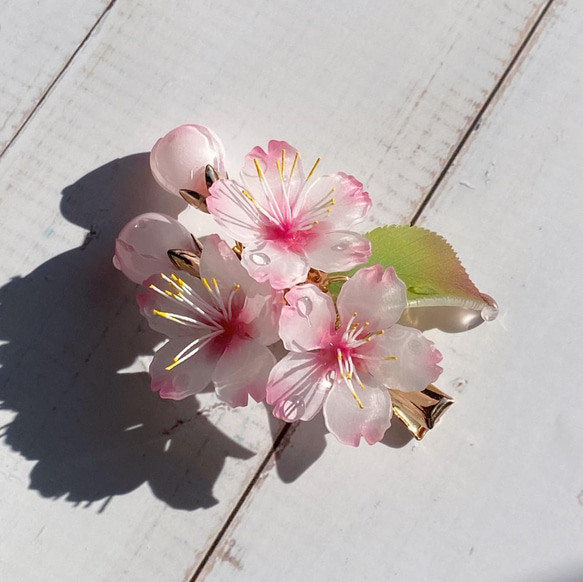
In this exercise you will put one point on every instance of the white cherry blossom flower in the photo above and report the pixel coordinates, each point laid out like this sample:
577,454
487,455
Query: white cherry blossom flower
219,327
289,223
343,359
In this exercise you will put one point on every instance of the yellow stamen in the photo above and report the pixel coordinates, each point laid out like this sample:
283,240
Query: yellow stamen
283,161
391,358
360,404
248,196
313,168
237,287
206,284
280,170
259,170
215,283
293,169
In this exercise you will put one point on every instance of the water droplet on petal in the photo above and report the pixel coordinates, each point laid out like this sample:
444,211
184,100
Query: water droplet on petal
293,408
490,312
329,379
260,259
304,306
421,290
341,246
416,347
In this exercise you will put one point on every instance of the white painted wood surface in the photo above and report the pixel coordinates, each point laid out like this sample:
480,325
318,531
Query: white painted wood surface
496,491
37,39
99,479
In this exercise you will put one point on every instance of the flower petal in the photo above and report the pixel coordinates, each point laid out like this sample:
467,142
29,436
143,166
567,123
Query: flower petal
416,361
234,211
348,422
142,245
338,251
282,183
341,197
261,316
178,160
268,261
242,371
220,262
297,387
308,320
186,379
377,296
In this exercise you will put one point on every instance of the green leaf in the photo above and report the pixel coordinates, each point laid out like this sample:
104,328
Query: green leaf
427,264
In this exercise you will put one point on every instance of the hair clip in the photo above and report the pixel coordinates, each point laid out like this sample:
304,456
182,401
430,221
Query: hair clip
349,308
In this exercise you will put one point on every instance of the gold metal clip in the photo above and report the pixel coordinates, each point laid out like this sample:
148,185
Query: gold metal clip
420,411
210,175
186,261
194,199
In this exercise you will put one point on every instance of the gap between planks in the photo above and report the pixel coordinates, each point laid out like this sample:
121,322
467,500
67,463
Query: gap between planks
280,439
57,78
477,120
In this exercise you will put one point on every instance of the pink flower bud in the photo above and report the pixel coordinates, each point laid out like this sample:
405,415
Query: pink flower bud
178,160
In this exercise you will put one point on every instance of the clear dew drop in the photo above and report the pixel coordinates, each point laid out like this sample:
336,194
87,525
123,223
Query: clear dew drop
329,380
294,408
260,259
341,246
416,347
304,306
490,312
421,290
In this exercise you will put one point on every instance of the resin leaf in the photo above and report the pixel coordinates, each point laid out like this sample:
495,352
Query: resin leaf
434,276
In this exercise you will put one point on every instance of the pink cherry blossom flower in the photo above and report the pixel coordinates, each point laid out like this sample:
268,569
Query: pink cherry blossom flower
344,360
178,160
287,223
218,326
141,246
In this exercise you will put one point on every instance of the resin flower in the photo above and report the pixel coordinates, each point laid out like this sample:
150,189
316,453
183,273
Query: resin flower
219,327
141,246
287,223
343,359
178,160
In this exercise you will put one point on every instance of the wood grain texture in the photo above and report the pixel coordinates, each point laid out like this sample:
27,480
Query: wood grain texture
495,492
37,39
100,480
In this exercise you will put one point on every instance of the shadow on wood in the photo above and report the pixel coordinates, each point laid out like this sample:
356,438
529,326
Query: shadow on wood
70,326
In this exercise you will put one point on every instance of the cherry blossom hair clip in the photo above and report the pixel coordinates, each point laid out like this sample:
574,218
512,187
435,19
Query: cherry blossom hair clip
349,308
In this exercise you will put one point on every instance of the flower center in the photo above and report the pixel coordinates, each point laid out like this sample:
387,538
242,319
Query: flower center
217,319
287,233
346,357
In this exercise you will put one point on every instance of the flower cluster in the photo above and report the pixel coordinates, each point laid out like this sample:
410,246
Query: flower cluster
223,304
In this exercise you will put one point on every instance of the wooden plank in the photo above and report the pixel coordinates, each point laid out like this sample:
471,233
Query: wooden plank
37,39
100,480
495,492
